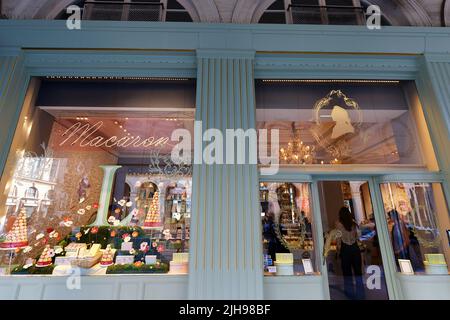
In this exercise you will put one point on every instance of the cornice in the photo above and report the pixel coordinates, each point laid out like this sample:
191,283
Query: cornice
193,36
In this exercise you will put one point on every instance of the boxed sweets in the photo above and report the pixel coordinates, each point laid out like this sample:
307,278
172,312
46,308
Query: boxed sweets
72,249
88,257
435,264
285,264
179,263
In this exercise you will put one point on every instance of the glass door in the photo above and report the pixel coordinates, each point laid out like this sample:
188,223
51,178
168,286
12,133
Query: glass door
352,250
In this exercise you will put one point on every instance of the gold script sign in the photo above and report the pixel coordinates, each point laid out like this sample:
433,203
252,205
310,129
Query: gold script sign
85,136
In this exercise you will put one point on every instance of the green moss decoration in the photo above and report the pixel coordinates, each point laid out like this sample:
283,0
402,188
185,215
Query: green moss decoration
131,268
32,270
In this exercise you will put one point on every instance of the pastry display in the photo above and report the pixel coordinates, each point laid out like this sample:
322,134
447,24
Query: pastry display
435,264
285,264
46,258
17,236
179,264
87,258
107,256
153,218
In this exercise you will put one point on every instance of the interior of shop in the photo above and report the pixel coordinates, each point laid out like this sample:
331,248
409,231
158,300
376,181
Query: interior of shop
98,150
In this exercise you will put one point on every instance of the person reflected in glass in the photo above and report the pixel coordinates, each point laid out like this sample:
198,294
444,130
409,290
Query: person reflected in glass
269,233
399,235
350,254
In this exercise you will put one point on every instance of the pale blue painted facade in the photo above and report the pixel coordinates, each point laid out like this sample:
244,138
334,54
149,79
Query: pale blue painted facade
225,59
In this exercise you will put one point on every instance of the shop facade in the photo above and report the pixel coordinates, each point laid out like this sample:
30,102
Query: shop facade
233,77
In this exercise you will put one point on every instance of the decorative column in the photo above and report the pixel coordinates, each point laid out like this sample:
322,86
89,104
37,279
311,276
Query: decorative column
225,248
13,86
358,205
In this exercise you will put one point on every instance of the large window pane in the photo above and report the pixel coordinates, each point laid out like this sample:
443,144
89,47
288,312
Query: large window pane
90,182
287,229
417,218
345,122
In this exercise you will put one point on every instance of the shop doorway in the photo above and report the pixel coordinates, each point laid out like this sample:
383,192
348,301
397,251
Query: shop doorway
353,256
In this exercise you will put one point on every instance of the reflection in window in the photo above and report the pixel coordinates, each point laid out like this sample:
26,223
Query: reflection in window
287,228
342,122
412,213
58,187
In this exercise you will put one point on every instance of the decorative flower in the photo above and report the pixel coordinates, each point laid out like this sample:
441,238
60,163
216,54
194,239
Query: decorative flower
78,235
81,211
160,248
53,234
67,222
51,253
88,207
135,234
154,244
138,263
122,202
39,236
94,230
111,219
177,216
50,230
126,236
144,247
27,249
117,210
132,251
129,204
113,233
95,206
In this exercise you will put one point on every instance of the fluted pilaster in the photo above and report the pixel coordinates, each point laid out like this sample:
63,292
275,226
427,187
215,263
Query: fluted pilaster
226,253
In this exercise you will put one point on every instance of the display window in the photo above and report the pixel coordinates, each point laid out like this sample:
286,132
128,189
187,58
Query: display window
287,229
417,217
344,122
327,128
89,182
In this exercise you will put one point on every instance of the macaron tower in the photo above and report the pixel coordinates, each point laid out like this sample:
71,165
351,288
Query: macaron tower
17,236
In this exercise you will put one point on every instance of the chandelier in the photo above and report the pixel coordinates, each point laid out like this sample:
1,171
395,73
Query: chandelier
297,152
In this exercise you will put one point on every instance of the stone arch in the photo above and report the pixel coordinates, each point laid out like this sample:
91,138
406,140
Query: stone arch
202,10
402,13
259,10
446,13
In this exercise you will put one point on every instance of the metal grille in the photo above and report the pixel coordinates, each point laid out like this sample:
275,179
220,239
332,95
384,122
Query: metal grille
337,15
113,10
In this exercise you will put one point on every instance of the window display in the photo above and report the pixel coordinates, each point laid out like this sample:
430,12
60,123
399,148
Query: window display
339,122
417,218
287,228
94,187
